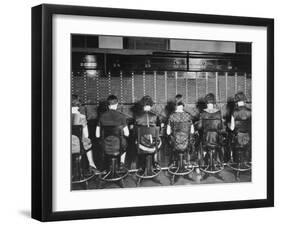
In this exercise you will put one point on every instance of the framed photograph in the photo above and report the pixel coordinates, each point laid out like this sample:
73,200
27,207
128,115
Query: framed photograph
146,112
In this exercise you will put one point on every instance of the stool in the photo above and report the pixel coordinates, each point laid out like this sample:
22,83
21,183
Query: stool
149,171
238,165
181,143
179,168
116,171
213,168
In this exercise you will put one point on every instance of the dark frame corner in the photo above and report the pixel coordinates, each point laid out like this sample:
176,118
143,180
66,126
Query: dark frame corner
42,111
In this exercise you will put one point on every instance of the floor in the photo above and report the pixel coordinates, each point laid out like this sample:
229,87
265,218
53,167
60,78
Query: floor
165,179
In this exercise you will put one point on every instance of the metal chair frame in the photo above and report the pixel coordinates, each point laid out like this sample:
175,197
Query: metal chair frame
240,167
117,172
178,168
212,168
149,172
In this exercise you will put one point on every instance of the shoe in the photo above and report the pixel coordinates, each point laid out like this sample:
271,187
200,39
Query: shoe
189,165
156,165
94,170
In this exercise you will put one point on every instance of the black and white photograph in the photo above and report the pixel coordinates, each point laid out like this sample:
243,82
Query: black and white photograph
142,112
159,112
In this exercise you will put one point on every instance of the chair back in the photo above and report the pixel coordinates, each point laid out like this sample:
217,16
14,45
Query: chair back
212,125
242,140
148,139
243,126
111,140
77,130
180,135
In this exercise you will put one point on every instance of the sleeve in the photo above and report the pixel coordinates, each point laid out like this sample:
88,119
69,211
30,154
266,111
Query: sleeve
126,131
169,129
191,129
83,122
98,129
199,123
232,123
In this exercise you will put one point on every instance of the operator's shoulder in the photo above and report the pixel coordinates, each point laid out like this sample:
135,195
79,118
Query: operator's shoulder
172,115
120,114
104,114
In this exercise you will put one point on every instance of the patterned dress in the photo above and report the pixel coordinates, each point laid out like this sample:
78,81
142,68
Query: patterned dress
180,123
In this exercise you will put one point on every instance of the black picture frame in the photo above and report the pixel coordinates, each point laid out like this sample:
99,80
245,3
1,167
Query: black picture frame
42,107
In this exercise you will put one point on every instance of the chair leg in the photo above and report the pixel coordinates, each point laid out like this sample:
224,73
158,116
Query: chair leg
121,183
189,176
237,176
180,167
113,165
148,166
138,182
86,185
156,180
211,160
173,179
100,184
80,173
218,176
205,176
180,161
240,163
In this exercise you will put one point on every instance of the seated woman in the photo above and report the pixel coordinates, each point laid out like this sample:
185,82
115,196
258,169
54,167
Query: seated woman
211,124
112,117
149,119
180,127
80,119
241,126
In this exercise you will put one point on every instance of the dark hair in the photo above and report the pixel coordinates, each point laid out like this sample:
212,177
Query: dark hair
75,101
146,100
179,100
210,98
178,97
112,99
240,96
180,103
